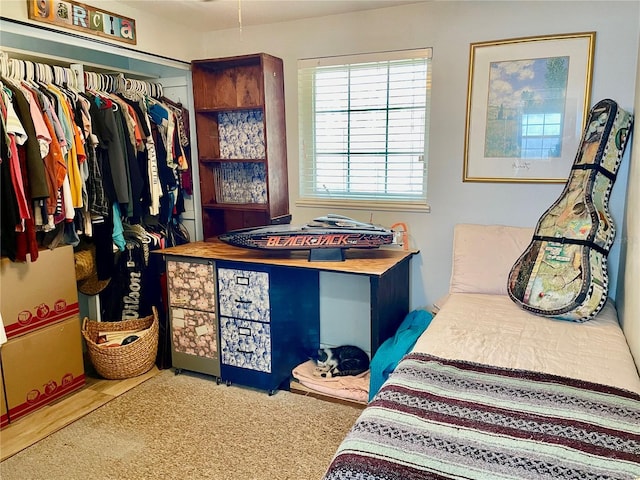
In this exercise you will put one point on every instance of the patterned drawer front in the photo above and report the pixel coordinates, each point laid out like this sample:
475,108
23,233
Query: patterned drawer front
191,285
244,294
245,344
194,332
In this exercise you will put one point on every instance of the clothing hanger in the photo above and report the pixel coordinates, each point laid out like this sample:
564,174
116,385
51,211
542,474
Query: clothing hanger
88,81
29,71
16,70
4,64
66,79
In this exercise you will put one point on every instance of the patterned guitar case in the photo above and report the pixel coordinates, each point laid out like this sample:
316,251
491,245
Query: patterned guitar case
563,271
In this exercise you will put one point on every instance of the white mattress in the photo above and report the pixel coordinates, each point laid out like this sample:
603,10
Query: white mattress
491,329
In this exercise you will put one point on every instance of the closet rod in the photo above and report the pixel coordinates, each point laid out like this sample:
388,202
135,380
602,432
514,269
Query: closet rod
94,40
77,75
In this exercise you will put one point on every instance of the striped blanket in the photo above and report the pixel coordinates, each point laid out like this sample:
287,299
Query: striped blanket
447,419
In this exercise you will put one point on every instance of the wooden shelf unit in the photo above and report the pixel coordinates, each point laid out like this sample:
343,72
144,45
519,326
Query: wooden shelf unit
242,97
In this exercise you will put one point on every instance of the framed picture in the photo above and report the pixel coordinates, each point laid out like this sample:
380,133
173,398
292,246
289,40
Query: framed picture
527,102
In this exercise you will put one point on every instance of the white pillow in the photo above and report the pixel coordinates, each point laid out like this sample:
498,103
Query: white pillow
483,256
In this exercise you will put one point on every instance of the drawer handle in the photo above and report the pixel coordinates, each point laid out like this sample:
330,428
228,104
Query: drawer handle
246,352
240,300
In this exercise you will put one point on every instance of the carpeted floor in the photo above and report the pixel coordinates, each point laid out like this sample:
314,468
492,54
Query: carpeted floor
187,427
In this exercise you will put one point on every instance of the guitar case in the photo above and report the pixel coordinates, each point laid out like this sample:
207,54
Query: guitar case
563,271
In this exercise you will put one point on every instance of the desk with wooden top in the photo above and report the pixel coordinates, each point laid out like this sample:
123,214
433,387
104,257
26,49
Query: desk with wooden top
387,270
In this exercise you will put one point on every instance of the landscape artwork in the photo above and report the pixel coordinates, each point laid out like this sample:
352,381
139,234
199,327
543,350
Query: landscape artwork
525,108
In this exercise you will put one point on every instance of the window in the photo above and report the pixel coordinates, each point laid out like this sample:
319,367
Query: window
363,129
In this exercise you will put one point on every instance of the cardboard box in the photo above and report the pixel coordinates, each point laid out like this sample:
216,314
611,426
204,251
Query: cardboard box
4,414
42,366
36,294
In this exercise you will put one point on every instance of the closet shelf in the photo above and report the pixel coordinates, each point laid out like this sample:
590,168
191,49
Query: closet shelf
228,108
258,207
230,160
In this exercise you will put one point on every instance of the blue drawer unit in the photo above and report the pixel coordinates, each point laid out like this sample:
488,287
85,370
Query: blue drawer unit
269,322
244,294
246,344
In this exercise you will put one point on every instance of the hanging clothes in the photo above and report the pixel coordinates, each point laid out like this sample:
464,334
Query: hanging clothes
35,172
10,217
15,135
111,147
85,162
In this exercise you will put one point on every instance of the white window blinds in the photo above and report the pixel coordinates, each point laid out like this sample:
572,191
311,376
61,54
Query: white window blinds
363,125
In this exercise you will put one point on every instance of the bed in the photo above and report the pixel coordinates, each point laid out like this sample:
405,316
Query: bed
491,391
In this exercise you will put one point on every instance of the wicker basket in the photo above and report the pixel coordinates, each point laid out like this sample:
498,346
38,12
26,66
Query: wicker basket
124,361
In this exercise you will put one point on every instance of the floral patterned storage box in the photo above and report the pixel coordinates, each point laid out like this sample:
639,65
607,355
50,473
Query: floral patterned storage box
192,299
191,285
194,332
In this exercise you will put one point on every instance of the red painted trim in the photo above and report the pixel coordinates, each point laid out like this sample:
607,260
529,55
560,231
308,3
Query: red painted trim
21,410
15,329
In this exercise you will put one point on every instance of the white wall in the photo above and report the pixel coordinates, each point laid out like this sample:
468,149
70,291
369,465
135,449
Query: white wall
155,35
449,27
628,298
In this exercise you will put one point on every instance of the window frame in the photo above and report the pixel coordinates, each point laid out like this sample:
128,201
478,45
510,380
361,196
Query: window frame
309,195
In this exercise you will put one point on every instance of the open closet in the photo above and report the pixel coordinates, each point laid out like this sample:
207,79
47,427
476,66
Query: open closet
100,88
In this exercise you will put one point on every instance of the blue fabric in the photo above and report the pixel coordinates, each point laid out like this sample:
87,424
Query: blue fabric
393,349
159,115
118,229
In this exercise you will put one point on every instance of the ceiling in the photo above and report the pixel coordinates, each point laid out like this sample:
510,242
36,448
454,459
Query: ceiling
207,15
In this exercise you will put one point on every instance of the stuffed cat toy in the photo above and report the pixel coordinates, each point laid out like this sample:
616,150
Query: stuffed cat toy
341,361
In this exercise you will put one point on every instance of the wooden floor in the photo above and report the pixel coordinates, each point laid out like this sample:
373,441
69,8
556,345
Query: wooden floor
51,418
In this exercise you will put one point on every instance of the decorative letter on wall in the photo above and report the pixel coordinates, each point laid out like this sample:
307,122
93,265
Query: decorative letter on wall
81,17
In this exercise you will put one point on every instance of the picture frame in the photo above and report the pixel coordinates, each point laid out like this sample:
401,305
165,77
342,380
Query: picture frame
527,101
